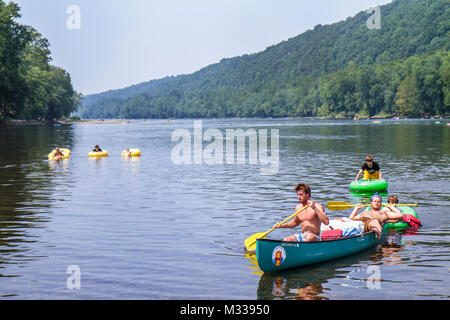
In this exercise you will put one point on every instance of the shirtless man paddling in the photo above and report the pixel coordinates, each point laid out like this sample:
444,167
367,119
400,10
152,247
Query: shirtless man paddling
310,218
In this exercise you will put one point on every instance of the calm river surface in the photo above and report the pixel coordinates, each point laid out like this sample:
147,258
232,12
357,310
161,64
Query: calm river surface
149,228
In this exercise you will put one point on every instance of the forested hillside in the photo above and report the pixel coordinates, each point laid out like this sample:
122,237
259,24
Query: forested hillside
30,87
403,68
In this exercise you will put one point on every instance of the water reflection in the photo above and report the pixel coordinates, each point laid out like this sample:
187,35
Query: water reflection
254,263
57,165
306,283
27,179
310,282
390,253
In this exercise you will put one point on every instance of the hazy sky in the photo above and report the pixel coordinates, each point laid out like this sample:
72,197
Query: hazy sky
125,42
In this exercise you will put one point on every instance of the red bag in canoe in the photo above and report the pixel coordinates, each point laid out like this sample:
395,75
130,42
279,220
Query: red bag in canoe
331,234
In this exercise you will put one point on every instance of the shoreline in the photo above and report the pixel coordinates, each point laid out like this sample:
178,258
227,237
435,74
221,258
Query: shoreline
18,123
89,121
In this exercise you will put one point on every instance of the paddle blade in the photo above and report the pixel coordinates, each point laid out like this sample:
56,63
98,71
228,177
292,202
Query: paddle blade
250,242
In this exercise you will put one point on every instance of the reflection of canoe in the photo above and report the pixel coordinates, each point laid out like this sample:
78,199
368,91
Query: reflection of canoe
274,255
369,185
316,275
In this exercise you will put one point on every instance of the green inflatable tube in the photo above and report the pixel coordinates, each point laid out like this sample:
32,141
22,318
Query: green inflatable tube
369,185
367,194
401,223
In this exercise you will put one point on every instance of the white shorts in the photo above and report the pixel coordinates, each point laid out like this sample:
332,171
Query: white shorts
301,237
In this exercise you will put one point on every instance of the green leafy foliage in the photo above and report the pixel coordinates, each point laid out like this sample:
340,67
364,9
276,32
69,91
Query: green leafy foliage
30,88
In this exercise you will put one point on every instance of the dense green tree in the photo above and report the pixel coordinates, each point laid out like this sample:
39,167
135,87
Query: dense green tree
13,40
445,76
30,88
408,97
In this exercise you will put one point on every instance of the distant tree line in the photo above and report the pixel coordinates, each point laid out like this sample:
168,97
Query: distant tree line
30,88
416,87
334,70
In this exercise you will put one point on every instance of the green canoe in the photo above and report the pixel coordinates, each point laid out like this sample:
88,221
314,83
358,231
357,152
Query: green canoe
275,255
369,185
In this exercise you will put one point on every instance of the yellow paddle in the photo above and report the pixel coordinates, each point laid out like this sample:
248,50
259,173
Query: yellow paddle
341,205
250,242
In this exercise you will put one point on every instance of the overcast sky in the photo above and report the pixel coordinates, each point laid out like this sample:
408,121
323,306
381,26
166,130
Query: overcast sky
125,42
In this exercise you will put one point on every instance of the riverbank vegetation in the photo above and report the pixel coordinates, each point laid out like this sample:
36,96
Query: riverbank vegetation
337,70
30,87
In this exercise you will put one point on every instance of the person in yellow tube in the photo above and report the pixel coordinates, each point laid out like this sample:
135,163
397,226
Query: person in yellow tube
57,154
126,153
97,149
370,168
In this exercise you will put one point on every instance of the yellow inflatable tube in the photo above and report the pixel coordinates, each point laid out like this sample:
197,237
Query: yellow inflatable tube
132,153
64,151
103,153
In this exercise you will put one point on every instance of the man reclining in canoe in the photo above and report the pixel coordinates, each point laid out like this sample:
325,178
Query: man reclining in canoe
310,218
375,217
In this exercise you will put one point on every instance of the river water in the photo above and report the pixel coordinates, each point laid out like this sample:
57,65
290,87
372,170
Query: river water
171,225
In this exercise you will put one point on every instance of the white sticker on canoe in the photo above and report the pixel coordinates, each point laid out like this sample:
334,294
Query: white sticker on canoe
278,256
